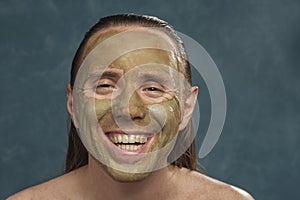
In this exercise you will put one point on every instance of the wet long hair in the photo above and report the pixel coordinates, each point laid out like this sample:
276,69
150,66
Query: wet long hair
77,155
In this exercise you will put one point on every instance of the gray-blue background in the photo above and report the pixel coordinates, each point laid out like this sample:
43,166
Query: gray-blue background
255,44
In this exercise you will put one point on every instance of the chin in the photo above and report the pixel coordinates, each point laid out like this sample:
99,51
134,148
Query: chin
125,177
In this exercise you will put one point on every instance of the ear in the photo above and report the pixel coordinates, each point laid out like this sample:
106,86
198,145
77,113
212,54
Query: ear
70,103
188,107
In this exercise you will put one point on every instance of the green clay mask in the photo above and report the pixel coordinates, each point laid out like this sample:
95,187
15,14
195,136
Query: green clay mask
128,103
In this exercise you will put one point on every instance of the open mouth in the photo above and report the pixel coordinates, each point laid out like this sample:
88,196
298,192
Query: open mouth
126,142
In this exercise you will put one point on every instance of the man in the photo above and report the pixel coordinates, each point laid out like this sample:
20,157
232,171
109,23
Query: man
131,100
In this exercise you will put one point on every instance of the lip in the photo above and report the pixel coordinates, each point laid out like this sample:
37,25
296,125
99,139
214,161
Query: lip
125,153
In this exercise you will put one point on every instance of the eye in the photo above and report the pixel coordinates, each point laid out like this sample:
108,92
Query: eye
153,91
105,86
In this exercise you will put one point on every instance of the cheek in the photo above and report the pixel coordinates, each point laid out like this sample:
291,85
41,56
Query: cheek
170,127
102,107
173,111
173,117
170,130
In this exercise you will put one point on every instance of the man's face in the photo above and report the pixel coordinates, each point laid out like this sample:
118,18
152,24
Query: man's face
128,110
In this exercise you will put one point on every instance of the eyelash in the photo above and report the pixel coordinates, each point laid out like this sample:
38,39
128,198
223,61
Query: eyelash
153,89
104,85
105,88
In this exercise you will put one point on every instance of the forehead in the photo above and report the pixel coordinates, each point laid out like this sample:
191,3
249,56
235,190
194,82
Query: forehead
130,47
154,58
150,34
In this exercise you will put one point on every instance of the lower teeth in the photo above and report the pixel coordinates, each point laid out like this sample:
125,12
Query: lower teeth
131,147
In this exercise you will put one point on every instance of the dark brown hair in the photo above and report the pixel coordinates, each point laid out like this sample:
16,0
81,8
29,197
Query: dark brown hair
77,154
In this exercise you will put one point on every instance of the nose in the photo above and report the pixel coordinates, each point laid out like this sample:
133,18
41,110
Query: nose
132,109
137,109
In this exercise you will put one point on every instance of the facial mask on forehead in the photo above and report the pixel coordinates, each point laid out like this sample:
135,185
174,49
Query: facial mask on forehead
99,118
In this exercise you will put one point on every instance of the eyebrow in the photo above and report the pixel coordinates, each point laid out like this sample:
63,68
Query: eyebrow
163,78
108,72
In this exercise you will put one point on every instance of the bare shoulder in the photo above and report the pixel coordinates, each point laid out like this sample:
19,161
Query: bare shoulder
53,189
200,186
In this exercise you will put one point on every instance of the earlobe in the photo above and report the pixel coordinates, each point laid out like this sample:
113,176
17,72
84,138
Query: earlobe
188,107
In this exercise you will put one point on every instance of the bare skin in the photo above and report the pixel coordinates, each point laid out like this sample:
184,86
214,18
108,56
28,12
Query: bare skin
91,182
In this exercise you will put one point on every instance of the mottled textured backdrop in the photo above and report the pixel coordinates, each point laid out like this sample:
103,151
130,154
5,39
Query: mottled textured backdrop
255,44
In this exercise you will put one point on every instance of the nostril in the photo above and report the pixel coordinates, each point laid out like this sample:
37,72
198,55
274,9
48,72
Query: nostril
137,111
137,114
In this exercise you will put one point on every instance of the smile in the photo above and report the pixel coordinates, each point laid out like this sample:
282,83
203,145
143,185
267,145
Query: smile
131,143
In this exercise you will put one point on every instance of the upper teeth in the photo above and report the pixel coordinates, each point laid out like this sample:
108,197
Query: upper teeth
122,138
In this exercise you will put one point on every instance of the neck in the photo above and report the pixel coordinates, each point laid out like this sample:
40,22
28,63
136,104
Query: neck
99,185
